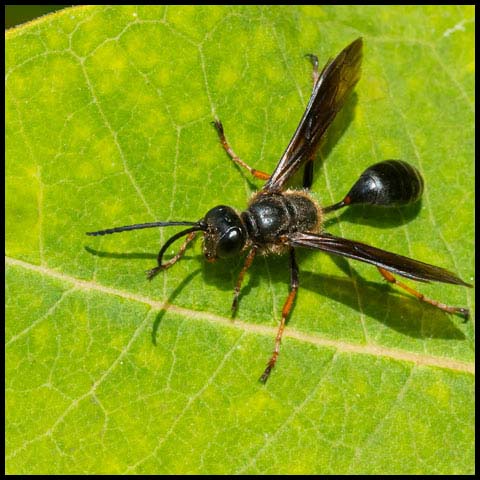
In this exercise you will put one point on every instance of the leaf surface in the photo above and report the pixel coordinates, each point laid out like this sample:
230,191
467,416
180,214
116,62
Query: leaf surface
108,123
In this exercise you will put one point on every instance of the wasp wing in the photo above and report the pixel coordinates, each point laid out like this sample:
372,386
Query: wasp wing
407,267
332,88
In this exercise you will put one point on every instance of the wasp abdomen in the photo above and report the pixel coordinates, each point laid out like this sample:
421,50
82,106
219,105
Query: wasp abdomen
388,183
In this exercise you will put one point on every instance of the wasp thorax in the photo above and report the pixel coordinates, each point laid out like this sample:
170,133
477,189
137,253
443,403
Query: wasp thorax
225,234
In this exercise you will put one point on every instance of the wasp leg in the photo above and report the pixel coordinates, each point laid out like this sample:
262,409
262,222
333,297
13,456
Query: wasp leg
315,74
287,307
163,266
308,174
308,169
246,266
256,173
464,312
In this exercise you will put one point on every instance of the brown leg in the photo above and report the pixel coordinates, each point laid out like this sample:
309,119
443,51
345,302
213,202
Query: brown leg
163,266
308,169
256,173
246,266
391,279
315,74
287,307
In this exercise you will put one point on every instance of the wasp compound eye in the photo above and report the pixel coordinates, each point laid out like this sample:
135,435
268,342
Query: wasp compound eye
231,242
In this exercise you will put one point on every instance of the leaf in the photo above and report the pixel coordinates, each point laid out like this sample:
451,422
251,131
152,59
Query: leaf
108,123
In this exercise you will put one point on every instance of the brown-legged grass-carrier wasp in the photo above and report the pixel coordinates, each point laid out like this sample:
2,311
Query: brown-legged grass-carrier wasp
278,220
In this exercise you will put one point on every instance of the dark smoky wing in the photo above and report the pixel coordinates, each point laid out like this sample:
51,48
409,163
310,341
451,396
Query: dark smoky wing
407,267
333,87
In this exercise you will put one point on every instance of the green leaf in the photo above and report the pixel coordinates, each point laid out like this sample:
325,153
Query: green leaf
108,123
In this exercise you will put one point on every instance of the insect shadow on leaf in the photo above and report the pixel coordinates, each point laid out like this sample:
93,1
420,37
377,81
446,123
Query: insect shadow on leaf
176,292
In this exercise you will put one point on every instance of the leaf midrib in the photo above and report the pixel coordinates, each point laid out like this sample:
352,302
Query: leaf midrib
347,347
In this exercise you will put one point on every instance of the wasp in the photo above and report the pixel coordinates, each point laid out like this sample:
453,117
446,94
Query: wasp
279,220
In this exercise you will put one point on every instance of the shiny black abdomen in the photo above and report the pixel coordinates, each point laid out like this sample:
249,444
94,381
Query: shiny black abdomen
389,183
272,215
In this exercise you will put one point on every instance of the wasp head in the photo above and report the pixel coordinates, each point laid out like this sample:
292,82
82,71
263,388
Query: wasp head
225,235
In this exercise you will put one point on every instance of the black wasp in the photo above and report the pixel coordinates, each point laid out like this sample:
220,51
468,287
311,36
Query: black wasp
278,220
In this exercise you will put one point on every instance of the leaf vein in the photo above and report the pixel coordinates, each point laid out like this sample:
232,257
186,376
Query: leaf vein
368,349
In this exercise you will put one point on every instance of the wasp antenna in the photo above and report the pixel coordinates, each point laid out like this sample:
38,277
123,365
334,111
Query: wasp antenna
139,226
162,266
